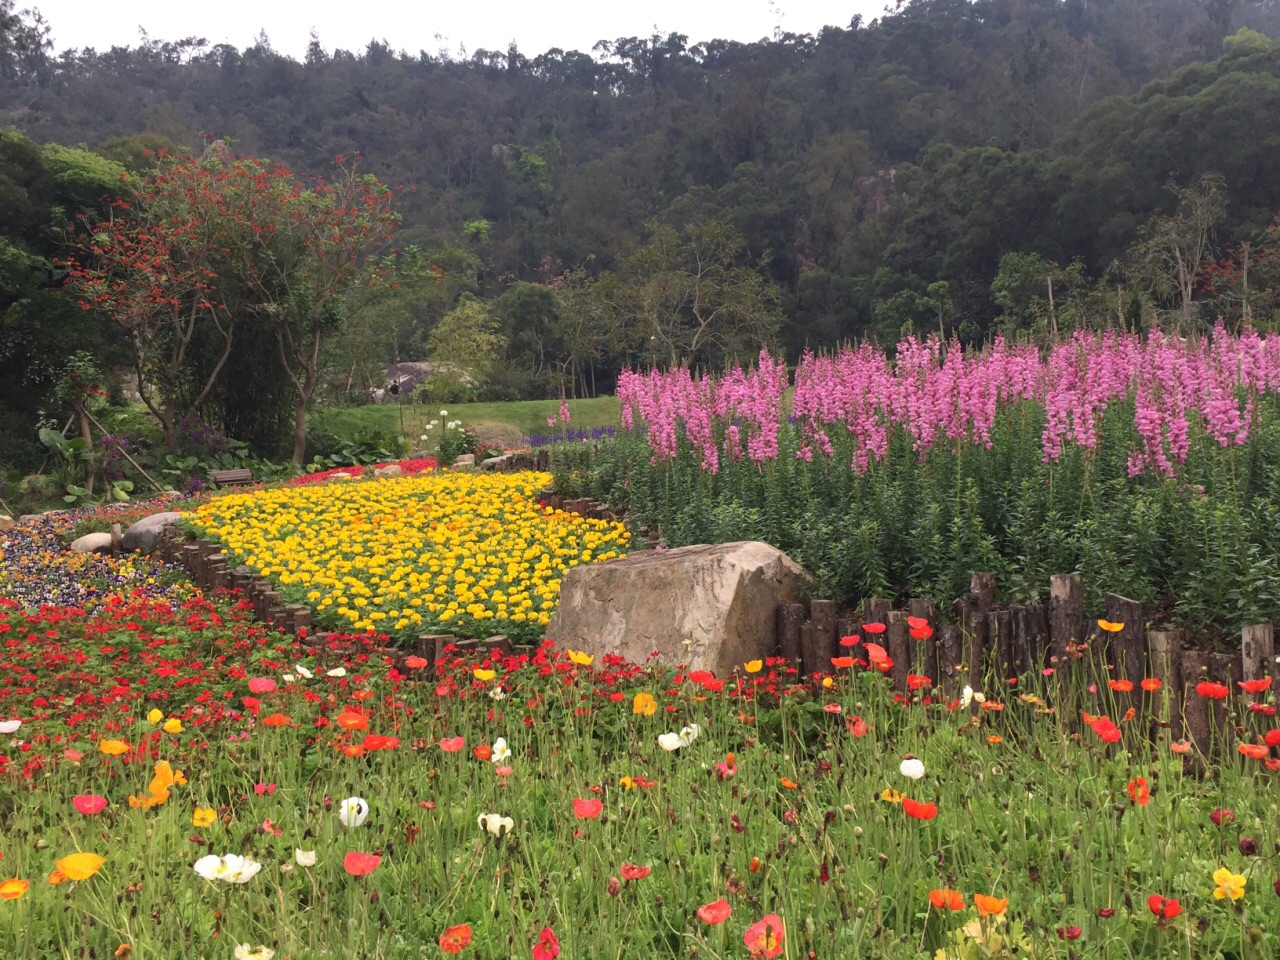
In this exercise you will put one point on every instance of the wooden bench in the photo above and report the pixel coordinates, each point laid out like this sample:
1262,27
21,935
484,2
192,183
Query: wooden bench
231,478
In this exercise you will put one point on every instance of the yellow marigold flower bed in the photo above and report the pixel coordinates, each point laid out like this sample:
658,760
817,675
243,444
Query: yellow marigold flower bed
463,553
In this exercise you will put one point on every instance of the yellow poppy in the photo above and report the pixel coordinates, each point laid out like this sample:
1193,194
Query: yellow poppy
204,817
1110,627
80,866
753,666
644,703
113,748
580,658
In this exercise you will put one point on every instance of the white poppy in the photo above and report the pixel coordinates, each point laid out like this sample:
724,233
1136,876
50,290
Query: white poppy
246,952
288,678
444,413
497,693
496,823
670,741
911,768
10,726
303,672
690,733
336,672
231,868
304,858
353,811
501,751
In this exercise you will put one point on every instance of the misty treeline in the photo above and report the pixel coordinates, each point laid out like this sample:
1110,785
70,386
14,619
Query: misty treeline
956,167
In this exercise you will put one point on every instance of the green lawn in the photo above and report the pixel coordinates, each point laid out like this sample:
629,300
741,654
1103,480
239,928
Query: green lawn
506,423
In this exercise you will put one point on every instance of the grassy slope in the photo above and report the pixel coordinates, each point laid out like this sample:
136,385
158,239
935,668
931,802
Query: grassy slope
507,423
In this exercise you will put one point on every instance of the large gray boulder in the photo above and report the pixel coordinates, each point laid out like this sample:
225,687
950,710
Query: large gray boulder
92,543
143,534
705,607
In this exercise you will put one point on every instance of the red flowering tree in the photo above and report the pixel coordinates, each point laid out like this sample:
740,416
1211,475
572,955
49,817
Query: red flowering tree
205,244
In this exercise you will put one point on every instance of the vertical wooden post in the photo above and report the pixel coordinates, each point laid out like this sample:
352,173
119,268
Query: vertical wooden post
790,617
949,659
1066,615
1128,647
1000,636
808,655
974,607
874,610
1195,711
1225,669
1166,666
925,652
898,646
822,615
1257,650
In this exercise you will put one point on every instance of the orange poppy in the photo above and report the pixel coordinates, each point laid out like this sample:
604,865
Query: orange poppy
483,752
919,811
990,906
842,662
1151,684
946,899
1110,627
350,720
789,784
1122,686
276,720
456,939
1254,751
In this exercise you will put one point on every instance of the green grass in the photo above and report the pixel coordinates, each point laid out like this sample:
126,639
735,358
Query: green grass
506,423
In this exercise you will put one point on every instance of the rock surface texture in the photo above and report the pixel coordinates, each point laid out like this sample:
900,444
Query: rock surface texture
143,534
92,543
708,607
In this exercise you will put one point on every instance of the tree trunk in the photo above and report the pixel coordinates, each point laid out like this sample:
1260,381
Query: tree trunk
300,426
90,468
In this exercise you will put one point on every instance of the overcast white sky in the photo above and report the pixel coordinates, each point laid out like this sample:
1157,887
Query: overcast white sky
430,25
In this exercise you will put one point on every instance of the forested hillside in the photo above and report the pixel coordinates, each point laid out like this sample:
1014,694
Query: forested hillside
871,179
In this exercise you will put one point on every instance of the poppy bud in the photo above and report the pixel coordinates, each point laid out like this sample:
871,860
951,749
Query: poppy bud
1278,886
1106,913
614,886
1221,815
1248,847
857,832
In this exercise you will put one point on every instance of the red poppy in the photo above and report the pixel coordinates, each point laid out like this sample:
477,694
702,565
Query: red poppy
1151,684
1221,815
857,726
844,663
547,947
377,741
946,899
1106,913
850,641
919,811
921,633
713,913
1164,908
452,744
1069,933
89,804
916,681
261,685
1254,686
483,752
764,937
1121,686
361,864
832,708
1266,709
1273,738
1139,792
633,871
456,939
417,663
1254,751
587,809
876,653
1106,729
873,627
1212,691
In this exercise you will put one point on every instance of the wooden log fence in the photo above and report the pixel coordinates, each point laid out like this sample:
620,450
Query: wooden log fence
983,643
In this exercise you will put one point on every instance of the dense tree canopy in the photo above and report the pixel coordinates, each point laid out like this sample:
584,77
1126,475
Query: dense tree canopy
876,175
